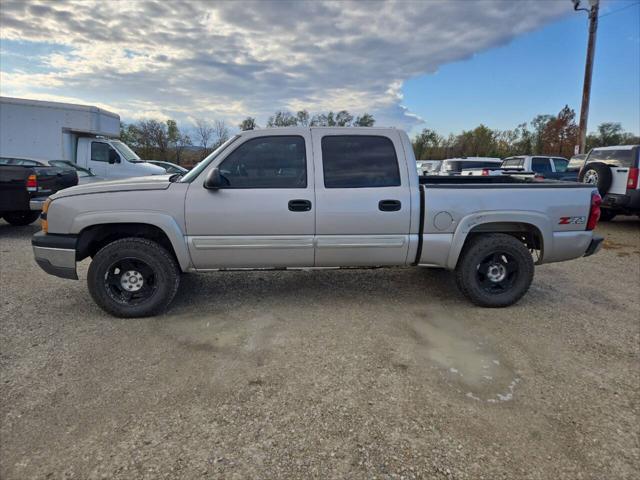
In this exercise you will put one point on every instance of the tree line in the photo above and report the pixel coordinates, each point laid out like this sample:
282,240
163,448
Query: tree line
157,140
545,134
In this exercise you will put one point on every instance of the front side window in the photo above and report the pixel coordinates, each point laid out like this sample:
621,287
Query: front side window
99,152
561,164
358,161
267,162
540,165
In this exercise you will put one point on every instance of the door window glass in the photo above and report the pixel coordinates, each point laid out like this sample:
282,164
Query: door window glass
99,152
540,165
267,162
356,161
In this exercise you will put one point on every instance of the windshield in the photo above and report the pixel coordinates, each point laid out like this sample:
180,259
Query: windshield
125,151
203,164
82,172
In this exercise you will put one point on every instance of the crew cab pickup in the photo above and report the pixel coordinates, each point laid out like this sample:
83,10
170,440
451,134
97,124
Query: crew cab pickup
23,188
312,197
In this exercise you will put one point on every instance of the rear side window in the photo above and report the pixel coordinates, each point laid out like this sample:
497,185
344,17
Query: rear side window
267,162
359,161
540,165
618,158
561,164
99,152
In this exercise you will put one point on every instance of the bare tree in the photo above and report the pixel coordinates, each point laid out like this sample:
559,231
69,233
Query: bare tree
203,134
220,133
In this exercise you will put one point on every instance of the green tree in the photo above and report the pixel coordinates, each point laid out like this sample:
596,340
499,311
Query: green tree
248,123
366,120
282,119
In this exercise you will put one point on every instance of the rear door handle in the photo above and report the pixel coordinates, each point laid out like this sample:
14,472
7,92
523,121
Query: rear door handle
389,205
299,205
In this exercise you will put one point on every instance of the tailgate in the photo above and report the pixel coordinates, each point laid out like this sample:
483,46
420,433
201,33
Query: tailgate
13,188
53,179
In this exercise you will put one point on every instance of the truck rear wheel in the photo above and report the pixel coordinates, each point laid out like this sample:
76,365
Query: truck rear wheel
133,277
494,270
20,219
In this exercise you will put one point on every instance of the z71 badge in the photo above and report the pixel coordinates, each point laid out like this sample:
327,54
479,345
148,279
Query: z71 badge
572,220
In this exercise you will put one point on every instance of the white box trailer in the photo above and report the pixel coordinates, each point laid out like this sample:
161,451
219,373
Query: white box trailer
83,134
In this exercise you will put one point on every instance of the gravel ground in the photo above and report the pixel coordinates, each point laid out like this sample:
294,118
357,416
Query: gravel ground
328,374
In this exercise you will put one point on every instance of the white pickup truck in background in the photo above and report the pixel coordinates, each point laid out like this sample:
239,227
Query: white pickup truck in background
312,197
84,135
455,166
539,166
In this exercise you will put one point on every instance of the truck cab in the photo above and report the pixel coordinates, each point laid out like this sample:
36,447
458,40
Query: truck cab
112,159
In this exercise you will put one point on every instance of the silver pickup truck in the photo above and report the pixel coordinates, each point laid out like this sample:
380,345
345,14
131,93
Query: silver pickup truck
312,197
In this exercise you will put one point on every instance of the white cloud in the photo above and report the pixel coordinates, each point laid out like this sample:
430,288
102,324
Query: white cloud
232,59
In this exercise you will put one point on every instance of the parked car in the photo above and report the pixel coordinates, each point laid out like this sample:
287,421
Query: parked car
80,134
614,171
24,188
541,166
312,197
84,175
455,166
168,166
428,167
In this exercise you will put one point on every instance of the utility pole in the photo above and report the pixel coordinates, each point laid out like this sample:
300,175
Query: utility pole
588,69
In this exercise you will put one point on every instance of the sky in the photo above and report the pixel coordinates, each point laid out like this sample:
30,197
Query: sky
448,65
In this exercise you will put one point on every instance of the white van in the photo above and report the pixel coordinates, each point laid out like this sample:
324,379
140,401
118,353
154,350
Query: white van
84,135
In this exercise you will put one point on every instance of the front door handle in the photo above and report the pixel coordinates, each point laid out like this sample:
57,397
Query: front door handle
389,205
299,205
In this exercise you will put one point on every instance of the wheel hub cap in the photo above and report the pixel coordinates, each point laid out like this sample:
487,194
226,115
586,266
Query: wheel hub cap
496,272
592,177
131,281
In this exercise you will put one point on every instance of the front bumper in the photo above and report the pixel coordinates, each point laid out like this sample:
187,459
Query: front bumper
594,246
56,254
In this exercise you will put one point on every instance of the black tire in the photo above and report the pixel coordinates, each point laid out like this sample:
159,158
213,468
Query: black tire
597,174
20,219
606,214
483,262
140,259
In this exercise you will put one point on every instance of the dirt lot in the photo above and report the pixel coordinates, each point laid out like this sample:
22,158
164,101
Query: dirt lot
330,374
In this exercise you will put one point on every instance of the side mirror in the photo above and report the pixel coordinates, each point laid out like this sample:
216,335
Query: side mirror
113,157
214,180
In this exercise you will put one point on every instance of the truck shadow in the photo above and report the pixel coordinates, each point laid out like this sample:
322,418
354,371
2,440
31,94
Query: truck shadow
9,231
219,291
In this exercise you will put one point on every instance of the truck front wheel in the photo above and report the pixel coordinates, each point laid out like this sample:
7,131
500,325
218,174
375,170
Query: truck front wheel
494,270
133,277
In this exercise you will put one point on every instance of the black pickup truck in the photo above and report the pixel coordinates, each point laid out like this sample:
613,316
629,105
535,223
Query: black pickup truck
20,184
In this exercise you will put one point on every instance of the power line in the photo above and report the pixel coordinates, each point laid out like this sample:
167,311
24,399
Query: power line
619,9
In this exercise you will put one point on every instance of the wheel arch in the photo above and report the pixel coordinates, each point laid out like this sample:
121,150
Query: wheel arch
94,232
531,228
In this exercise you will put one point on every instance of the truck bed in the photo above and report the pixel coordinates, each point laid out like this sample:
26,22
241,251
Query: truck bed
503,181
